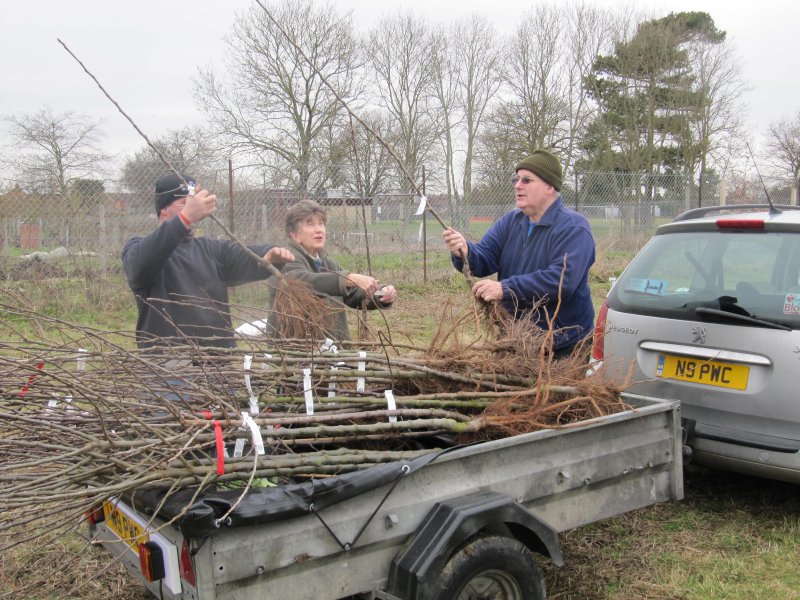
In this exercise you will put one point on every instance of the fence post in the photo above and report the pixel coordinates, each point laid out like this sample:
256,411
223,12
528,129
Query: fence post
687,195
424,235
577,191
231,224
103,238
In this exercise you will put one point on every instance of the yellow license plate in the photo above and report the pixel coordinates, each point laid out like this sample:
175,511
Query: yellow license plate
126,528
705,372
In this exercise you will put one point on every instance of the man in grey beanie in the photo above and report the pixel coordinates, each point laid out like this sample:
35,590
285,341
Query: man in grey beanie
530,249
181,281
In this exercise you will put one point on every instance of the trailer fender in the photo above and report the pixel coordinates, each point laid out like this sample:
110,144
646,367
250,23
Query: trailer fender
449,524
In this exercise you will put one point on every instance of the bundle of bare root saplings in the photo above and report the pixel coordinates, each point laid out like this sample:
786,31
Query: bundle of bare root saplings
84,419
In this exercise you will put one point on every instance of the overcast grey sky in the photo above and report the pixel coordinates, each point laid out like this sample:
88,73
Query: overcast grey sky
145,52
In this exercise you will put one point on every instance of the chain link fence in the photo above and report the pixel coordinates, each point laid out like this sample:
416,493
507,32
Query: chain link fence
100,218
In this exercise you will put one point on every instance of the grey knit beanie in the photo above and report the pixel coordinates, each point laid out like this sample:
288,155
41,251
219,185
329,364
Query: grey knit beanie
545,165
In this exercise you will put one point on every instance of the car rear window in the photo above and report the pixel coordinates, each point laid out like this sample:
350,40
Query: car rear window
755,273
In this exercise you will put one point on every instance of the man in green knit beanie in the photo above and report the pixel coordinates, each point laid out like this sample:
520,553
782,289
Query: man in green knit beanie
541,253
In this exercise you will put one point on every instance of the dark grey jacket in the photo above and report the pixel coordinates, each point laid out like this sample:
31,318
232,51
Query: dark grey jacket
181,285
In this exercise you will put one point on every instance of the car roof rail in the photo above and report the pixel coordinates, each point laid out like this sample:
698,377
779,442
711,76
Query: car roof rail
693,213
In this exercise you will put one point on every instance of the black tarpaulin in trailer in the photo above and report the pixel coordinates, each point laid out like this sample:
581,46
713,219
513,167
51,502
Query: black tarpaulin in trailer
265,505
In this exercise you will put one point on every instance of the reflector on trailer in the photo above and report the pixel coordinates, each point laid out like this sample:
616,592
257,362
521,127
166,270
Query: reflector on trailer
151,561
187,568
95,515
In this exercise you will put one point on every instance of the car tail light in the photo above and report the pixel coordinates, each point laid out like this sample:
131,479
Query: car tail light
598,342
740,223
95,515
187,568
151,561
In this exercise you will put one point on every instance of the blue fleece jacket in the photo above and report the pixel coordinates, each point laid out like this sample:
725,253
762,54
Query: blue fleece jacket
530,268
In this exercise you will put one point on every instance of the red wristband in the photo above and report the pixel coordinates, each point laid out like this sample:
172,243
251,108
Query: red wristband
185,220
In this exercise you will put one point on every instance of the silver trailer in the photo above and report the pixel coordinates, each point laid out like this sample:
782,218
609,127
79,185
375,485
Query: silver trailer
470,524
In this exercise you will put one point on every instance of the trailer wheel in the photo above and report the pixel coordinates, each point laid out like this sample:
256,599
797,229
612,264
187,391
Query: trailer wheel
492,568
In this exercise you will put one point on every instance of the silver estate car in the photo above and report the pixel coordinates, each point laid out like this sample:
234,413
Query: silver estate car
708,313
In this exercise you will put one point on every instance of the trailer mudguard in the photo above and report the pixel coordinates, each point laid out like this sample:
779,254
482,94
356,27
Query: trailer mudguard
448,524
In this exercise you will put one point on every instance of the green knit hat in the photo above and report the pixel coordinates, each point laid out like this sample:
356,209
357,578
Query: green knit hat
545,165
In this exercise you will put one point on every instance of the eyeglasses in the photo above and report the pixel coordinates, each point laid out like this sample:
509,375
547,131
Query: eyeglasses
524,179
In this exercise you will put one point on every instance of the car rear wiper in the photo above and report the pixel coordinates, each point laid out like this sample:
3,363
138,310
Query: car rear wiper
726,304
735,316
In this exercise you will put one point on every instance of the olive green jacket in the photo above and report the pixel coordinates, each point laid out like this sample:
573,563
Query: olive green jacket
328,282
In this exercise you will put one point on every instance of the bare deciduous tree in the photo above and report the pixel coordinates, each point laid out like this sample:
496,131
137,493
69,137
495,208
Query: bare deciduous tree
403,68
501,145
274,104
718,127
450,99
783,142
535,79
189,150
468,68
50,150
588,34
479,81
368,160
542,103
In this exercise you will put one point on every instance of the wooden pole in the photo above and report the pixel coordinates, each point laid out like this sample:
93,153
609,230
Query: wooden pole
424,235
230,194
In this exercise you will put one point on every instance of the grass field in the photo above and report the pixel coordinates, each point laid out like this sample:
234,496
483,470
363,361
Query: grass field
732,537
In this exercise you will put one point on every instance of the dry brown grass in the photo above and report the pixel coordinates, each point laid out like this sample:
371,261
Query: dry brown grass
732,537
695,549
656,553
66,569
129,437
